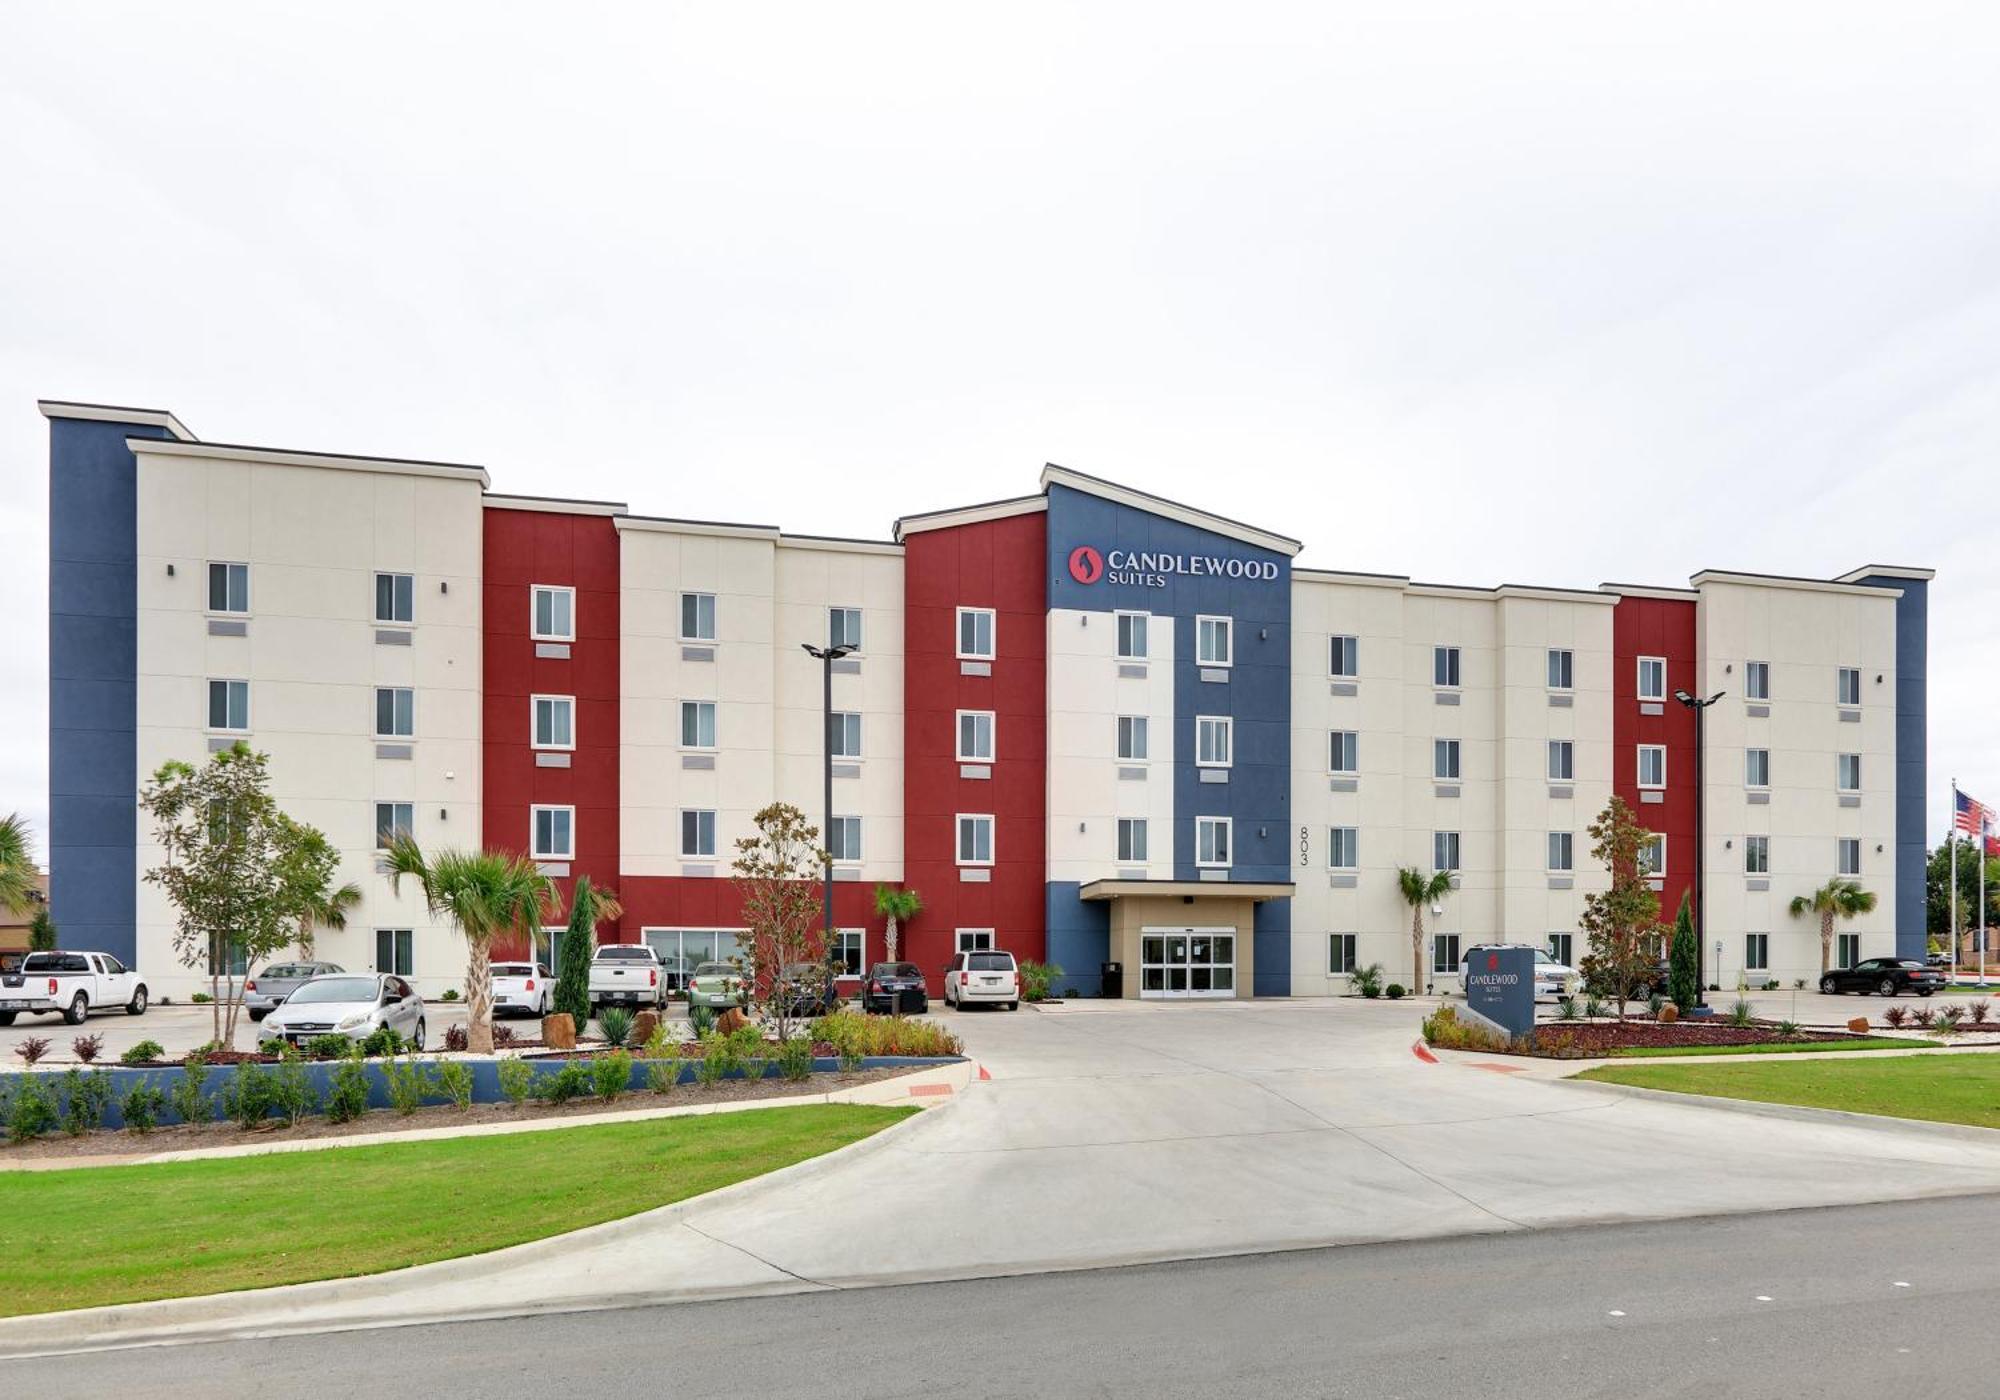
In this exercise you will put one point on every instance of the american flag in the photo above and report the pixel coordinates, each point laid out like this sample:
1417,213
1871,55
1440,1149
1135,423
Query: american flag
1969,815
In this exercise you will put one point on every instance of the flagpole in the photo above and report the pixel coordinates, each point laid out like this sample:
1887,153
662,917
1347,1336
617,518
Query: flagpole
1951,835
1980,856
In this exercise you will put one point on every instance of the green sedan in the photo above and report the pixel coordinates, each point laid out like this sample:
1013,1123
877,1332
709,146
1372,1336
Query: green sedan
718,986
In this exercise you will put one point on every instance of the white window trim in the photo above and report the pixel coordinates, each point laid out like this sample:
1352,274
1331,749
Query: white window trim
860,932
1748,841
392,804
860,620
1838,672
686,854
377,699
992,735
1228,724
1343,772
534,701
958,821
1349,970
1147,617
1570,776
1458,760
1839,778
681,726
1143,827
860,730
992,617
1229,827
213,611
1764,786
1639,766
1569,689
1331,863
1765,698
1661,872
1555,869
1134,724
959,945
1457,867
535,636
1459,651
1763,964
245,683
686,593
1839,845
534,812
1229,631
1639,678
1353,637
407,624
845,861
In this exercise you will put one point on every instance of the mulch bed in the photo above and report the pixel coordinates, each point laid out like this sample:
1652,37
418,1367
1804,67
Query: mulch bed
1601,1037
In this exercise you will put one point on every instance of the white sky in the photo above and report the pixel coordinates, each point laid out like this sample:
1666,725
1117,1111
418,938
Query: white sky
1534,293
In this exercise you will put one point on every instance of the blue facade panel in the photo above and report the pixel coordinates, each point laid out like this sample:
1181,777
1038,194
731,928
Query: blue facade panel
1079,940
1912,750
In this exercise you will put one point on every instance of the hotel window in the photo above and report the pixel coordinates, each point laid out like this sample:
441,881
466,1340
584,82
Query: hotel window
1848,690
395,712
393,819
1850,855
1756,855
1756,680
1562,670
1213,735
395,597
843,628
1653,855
1652,678
229,705
1211,841
1562,761
1345,659
1444,953
1848,772
1340,954
1444,667
846,734
1444,759
1652,765
975,736
554,613
697,832
1132,737
1212,642
229,588
1850,950
1756,952
553,832
1757,768
393,949
1561,946
697,617
1344,751
975,840
1132,636
1343,848
555,721
1131,839
847,949
697,724
843,839
1562,851
1444,851
975,634
973,940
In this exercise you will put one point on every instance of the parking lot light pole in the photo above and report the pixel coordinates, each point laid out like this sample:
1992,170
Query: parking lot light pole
826,656
1700,708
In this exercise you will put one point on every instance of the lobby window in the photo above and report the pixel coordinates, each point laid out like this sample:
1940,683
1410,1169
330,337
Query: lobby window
1132,737
1756,680
395,597
975,840
393,950
1444,851
1757,768
1340,958
1653,855
1756,855
1562,760
1850,950
1652,765
553,830
843,840
229,588
1343,848
1444,759
846,949
1652,678
1562,851
1848,772
697,617
1345,658
1213,642
973,940
393,819
697,832
1561,947
1444,668
1214,737
1756,952
843,628
395,712
845,734
1211,841
975,736
975,634
1444,953
554,612
1850,855
229,705
555,721
697,724
1131,839
1562,669
1131,636
1344,751
1848,686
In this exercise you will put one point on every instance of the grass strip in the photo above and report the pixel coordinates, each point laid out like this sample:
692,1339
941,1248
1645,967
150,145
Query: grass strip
1935,1088
1873,1042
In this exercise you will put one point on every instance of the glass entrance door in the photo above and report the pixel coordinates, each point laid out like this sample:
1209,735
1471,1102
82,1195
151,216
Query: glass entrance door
1184,963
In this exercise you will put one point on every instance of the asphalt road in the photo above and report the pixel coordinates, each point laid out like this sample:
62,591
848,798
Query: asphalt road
1854,1301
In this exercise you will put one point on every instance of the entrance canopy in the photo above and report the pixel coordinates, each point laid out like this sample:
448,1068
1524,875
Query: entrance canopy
1184,938
1256,891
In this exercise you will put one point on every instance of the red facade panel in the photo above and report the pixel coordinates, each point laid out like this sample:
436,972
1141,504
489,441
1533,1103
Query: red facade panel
1662,627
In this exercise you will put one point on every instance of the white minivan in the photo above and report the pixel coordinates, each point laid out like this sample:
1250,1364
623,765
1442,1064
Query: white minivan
984,974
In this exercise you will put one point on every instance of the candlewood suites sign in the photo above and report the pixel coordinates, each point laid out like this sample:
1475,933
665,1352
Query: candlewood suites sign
1138,568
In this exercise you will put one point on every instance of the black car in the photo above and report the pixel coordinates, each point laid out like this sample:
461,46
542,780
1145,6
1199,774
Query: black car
807,990
1889,976
894,988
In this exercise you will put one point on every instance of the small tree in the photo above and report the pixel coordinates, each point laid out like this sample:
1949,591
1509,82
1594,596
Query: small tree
1419,890
896,906
18,886
1621,922
1684,966
1838,898
240,873
42,932
775,872
589,906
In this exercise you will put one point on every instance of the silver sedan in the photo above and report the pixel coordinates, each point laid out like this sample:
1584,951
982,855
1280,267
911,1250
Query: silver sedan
352,1005
267,991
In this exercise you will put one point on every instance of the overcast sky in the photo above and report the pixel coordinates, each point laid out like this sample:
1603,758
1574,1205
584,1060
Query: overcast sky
1481,294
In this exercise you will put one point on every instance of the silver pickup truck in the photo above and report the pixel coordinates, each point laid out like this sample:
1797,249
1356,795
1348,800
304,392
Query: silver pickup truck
70,985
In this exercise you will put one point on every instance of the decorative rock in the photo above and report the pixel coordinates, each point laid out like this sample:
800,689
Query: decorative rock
1669,1014
1859,1025
643,1026
731,1021
559,1031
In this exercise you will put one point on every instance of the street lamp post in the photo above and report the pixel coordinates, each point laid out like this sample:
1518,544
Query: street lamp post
826,656
1700,708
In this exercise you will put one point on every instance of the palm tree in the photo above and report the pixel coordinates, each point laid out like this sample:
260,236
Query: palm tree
1418,890
896,906
18,888
1838,898
486,893
330,911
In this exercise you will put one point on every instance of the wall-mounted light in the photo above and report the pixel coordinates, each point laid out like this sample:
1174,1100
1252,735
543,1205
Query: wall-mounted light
1878,678
1726,845
1083,619
1728,667
1263,634
1080,826
443,587
1262,832
170,571
1878,848
441,815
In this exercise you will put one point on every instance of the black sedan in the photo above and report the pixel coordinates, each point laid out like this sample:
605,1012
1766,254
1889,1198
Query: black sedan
1889,976
895,988
807,989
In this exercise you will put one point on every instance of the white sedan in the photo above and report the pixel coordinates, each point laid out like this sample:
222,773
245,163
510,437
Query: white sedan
524,989
1553,979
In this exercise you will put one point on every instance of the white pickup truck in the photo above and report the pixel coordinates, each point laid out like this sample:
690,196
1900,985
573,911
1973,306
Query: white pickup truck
627,974
70,985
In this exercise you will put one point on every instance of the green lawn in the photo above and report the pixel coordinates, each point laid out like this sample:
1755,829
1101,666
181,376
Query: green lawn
1873,1042
83,1238
1940,1088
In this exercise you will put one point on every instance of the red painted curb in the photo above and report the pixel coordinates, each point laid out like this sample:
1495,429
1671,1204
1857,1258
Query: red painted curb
984,1073
1417,1049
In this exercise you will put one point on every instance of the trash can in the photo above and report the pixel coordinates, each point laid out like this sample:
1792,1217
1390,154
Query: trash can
1113,976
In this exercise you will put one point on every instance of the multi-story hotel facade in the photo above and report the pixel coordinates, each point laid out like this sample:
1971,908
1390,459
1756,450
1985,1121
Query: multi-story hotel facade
1088,725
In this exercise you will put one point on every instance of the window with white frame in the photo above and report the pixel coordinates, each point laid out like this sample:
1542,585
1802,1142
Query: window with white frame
1756,680
395,597
1344,657
975,736
1756,855
393,819
843,840
1850,950
1757,768
1444,953
975,839
1444,668
697,832
1213,642
1652,765
1562,851
1444,759
1562,669
1848,687
229,705
697,617
1652,678
1653,854
1343,848
1848,772
555,721
554,612
1562,946
845,734
1756,952
843,628
1214,737
1132,737
553,830
228,588
395,712
1340,959
1343,751
1211,841
1850,855
1131,839
393,951
1562,761
1132,636
697,724
847,949
1444,851
973,940
975,634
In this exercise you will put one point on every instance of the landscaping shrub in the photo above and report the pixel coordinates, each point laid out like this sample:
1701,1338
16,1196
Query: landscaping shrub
381,1042
189,1094
859,1036
32,1111
145,1052
1655,1004
456,1039
1395,991
273,1047
1366,981
1924,1017
795,1059
611,1074
572,1081
1443,1028
249,1094
1742,1013
1036,979
718,1057
87,1048
1683,955
293,1093
347,1090
1798,984
1980,1011
1566,1008
453,1079
32,1049
663,1061
329,1047
616,1024
407,1082
1789,1030
141,1106
517,1080
1895,1016
1948,1018
1593,1006
85,1097
450,994
201,998
701,1020
503,1035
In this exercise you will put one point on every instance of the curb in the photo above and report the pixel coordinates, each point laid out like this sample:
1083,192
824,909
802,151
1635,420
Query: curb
1826,1117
